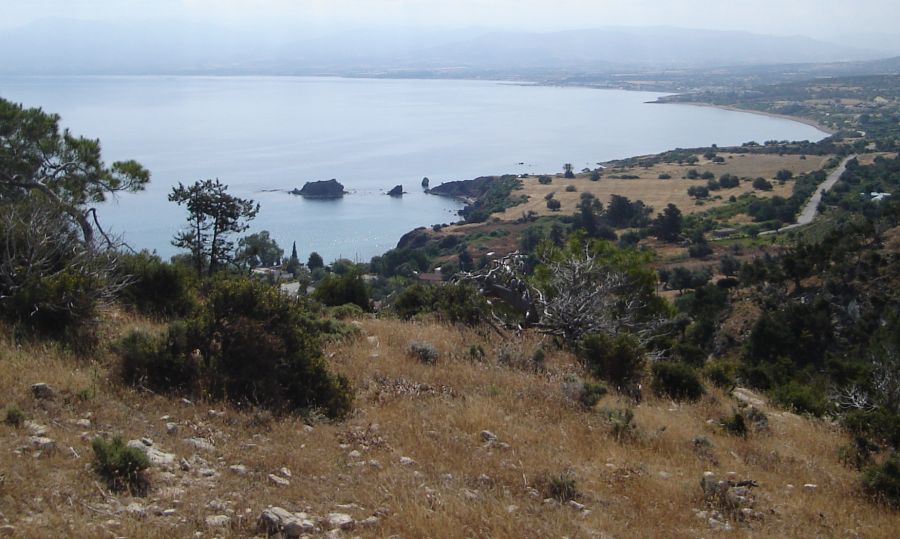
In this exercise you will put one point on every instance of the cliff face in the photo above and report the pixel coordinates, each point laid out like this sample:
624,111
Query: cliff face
321,189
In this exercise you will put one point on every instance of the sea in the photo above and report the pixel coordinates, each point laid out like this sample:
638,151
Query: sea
264,136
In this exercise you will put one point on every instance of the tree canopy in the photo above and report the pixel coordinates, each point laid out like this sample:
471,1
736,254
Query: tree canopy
213,215
68,171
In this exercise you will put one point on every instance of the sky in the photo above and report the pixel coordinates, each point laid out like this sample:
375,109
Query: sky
823,19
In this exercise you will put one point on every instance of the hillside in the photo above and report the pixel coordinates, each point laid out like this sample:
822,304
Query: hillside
643,481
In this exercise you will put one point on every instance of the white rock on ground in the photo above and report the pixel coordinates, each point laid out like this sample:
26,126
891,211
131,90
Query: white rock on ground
280,481
341,521
218,521
200,443
156,456
488,436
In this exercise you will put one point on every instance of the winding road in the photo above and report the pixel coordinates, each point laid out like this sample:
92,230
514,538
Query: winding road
812,205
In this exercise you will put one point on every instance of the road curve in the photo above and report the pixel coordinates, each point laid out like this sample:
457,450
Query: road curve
812,205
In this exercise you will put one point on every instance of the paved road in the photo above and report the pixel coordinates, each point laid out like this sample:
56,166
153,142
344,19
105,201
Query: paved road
812,205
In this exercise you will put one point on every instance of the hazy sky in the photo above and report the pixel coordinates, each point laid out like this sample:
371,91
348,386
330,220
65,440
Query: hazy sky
815,18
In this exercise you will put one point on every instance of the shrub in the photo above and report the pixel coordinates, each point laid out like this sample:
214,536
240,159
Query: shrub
621,423
476,352
800,398
698,191
676,380
722,373
883,481
15,417
619,360
248,343
345,311
762,184
553,204
460,303
545,180
157,288
591,393
336,290
665,176
120,465
735,425
561,487
881,425
413,300
595,176
699,250
571,188
423,351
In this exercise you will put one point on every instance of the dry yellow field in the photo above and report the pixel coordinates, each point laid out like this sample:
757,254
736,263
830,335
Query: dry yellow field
457,484
657,193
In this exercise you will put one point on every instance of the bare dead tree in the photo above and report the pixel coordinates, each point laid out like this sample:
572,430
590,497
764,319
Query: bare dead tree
38,244
584,294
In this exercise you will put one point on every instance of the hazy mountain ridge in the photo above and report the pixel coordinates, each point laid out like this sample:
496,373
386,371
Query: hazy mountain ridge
60,46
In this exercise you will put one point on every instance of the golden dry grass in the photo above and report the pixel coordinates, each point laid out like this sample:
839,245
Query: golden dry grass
459,486
657,193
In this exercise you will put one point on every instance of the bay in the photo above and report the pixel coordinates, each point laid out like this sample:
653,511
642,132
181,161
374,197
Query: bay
263,136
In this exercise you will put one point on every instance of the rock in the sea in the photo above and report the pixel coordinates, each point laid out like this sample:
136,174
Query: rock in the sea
425,182
397,191
42,391
321,189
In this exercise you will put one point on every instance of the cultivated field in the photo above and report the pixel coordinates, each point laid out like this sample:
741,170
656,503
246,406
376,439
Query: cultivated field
656,192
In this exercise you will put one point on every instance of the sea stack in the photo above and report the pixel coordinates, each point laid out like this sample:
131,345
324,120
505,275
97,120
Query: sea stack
397,191
321,189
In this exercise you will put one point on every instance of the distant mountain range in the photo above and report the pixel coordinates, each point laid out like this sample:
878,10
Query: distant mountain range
56,46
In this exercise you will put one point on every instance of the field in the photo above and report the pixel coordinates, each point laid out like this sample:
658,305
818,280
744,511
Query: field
657,192
458,481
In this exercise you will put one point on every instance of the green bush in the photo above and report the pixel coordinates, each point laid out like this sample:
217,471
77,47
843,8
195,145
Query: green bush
157,288
336,290
248,343
591,393
423,351
412,300
348,310
15,417
458,303
722,373
883,481
735,425
676,380
621,423
120,465
800,398
617,359
881,425
561,487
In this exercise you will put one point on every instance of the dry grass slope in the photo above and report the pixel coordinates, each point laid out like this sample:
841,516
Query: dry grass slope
459,486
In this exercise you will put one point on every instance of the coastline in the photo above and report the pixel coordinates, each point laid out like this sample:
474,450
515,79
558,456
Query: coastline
732,108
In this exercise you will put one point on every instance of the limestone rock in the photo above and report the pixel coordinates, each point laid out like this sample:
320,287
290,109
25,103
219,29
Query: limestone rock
276,520
406,461
280,481
238,469
341,521
488,436
36,429
157,457
43,444
218,521
200,443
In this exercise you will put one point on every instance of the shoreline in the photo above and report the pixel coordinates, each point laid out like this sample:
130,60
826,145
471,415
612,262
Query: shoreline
812,123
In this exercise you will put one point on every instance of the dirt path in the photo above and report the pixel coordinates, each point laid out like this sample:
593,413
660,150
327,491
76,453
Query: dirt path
812,205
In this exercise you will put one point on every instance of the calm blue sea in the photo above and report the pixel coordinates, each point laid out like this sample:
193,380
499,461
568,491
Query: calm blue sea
264,136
